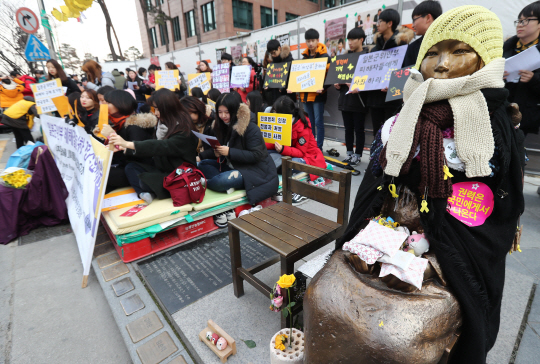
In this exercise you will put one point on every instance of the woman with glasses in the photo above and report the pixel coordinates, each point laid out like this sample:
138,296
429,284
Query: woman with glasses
526,92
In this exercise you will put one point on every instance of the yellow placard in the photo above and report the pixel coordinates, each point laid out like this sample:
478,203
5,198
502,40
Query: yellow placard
202,80
167,79
307,75
62,105
276,127
45,95
212,104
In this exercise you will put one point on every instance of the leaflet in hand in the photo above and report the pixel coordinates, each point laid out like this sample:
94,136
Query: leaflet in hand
210,140
528,60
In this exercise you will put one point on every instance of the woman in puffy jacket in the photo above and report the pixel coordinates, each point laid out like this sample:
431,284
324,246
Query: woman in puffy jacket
96,77
56,71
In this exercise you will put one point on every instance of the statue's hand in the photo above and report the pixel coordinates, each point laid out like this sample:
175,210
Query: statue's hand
360,265
395,283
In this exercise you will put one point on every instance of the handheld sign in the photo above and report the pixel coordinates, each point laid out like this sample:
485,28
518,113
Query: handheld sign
45,93
341,69
167,79
373,70
212,104
240,76
201,80
307,75
220,77
276,128
397,83
277,75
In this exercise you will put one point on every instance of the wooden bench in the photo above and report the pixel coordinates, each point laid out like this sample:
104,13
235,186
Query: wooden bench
291,232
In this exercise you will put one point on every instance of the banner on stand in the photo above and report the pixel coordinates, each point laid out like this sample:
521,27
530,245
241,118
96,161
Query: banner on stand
84,164
335,34
201,80
307,75
167,79
221,77
276,128
373,70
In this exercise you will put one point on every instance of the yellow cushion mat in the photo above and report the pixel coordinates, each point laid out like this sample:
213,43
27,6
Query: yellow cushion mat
129,229
212,199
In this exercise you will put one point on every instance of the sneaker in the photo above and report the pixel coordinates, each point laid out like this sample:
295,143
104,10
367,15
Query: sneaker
253,209
278,197
230,215
319,182
220,220
352,159
147,197
298,199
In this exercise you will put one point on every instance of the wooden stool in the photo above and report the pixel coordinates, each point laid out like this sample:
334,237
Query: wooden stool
291,232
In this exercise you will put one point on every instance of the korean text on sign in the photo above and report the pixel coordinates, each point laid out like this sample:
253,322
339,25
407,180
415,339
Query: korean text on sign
276,128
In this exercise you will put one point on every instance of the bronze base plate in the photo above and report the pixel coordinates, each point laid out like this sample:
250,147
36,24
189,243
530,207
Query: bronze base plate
103,249
108,259
178,360
144,326
132,304
123,286
115,271
157,349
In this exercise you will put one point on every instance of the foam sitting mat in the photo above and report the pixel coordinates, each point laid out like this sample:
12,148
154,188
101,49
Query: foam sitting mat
212,199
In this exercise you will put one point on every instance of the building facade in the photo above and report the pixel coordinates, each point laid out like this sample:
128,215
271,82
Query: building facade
214,20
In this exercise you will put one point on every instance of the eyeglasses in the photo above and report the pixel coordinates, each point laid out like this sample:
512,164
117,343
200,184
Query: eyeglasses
380,20
524,22
418,17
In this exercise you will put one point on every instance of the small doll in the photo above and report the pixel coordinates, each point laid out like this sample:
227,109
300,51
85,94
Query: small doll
221,343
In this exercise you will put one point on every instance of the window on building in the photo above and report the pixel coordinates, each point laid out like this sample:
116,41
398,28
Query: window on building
148,4
266,17
190,23
289,16
242,14
314,1
334,3
209,17
157,2
176,29
163,34
153,35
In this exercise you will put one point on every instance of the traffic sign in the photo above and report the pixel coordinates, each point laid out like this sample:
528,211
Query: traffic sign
27,20
35,50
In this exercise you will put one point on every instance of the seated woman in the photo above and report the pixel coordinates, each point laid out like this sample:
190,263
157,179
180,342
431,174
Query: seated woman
213,94
124,124
303,147
453,144
102,91
88,110
19,117
174,144
202,117
198,93
242,159
255,102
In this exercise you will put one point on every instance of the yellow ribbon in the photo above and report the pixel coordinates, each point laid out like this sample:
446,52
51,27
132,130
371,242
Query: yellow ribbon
392,188
379,188
424,207
447,172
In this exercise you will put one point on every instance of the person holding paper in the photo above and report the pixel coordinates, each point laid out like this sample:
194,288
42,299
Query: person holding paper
202,117
169,66
387,37
243,91
526,92
242,159
88,110
174,144
278,54
203,67
136,84
352,106
56,71
314,101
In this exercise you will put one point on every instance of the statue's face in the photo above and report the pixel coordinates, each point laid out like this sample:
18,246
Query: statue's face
450,59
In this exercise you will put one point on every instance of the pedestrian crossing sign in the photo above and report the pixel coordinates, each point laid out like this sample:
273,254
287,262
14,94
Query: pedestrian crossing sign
36,50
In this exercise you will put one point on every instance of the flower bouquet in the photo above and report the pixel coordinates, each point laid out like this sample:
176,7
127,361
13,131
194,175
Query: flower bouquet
16,177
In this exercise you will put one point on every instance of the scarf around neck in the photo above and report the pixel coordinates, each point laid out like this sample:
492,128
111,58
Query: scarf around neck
117,121
472,124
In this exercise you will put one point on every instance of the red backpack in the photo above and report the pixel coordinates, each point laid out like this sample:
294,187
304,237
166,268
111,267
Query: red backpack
185,185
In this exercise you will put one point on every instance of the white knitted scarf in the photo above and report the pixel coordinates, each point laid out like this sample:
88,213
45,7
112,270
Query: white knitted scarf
472,125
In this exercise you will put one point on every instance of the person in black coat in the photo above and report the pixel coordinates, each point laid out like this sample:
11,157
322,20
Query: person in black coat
56,71
352,106
388,37
242,159
88,110
423,15
279,54
139,89
202,117
526,92
174,144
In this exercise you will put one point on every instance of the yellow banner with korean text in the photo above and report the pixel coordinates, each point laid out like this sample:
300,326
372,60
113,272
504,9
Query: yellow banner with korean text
276,127
167,79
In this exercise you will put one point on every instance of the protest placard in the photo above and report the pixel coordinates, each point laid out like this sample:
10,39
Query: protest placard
397,84
277,75
335,32
373,70
236,53
251,50
283,39
212,104
220,77
307,75
201,80
341,69
240,76
219,52
167,79
45,93
276,127
84,164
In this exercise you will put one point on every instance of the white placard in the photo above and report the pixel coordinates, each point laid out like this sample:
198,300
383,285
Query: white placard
303,77
240,76
308,83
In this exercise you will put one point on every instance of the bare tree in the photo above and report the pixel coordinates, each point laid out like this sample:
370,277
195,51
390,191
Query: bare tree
110,26
69,57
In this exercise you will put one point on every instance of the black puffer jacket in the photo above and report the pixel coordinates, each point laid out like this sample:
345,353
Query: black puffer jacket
272,94
352,102
90,119
525,94
248,155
